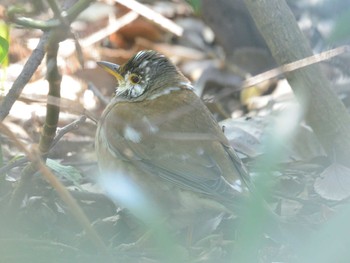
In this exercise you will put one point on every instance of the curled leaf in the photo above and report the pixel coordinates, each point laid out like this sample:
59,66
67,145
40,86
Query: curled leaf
334,182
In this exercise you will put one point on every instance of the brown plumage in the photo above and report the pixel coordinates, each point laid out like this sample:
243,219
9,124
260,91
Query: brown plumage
159,135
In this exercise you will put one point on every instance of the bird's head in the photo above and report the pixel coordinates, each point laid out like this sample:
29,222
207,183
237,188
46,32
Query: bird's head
146,75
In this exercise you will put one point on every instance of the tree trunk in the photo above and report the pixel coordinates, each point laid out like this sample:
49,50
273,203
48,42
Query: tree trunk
324,112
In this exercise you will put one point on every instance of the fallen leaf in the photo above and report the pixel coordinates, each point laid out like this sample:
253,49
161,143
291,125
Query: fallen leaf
334,182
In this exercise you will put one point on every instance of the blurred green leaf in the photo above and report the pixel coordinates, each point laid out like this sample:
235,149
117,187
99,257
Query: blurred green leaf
4,43
341,30
331,242
196,5
4,48
68,172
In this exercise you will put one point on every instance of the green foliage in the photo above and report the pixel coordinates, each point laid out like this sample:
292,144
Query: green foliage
4,43
341,30
196,5
69,173
329,243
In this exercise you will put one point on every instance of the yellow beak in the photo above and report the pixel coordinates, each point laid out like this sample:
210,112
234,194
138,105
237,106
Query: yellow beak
112,69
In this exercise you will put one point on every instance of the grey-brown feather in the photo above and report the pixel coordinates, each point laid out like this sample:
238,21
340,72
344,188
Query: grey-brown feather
208,169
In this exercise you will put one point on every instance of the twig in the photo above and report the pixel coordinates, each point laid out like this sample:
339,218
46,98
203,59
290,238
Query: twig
11,165
288,68
153,16
54,78
60,133
52,115
113,26
28,70
66,24
75,209
69,15
38,53
58,12
295,65
68,128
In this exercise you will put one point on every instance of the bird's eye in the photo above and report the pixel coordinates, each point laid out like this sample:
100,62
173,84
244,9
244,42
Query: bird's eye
135,79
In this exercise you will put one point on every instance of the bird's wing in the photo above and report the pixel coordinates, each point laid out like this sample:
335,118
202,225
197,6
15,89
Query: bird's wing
186,166
200,162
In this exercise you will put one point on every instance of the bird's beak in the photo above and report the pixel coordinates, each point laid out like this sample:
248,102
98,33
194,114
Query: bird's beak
112,69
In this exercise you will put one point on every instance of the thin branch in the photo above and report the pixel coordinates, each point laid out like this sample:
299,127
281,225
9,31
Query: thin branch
153,16
28,70
113,26
69,15
60,133
68,128
213,74
54,78
13,164
295,65
38,53
74,207
323,111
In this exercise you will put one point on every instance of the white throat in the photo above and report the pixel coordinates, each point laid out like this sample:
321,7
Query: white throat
168,90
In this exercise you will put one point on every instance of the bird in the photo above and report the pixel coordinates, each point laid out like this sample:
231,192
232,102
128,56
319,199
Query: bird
162,151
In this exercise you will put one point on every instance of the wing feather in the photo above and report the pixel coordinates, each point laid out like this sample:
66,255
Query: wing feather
200,162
